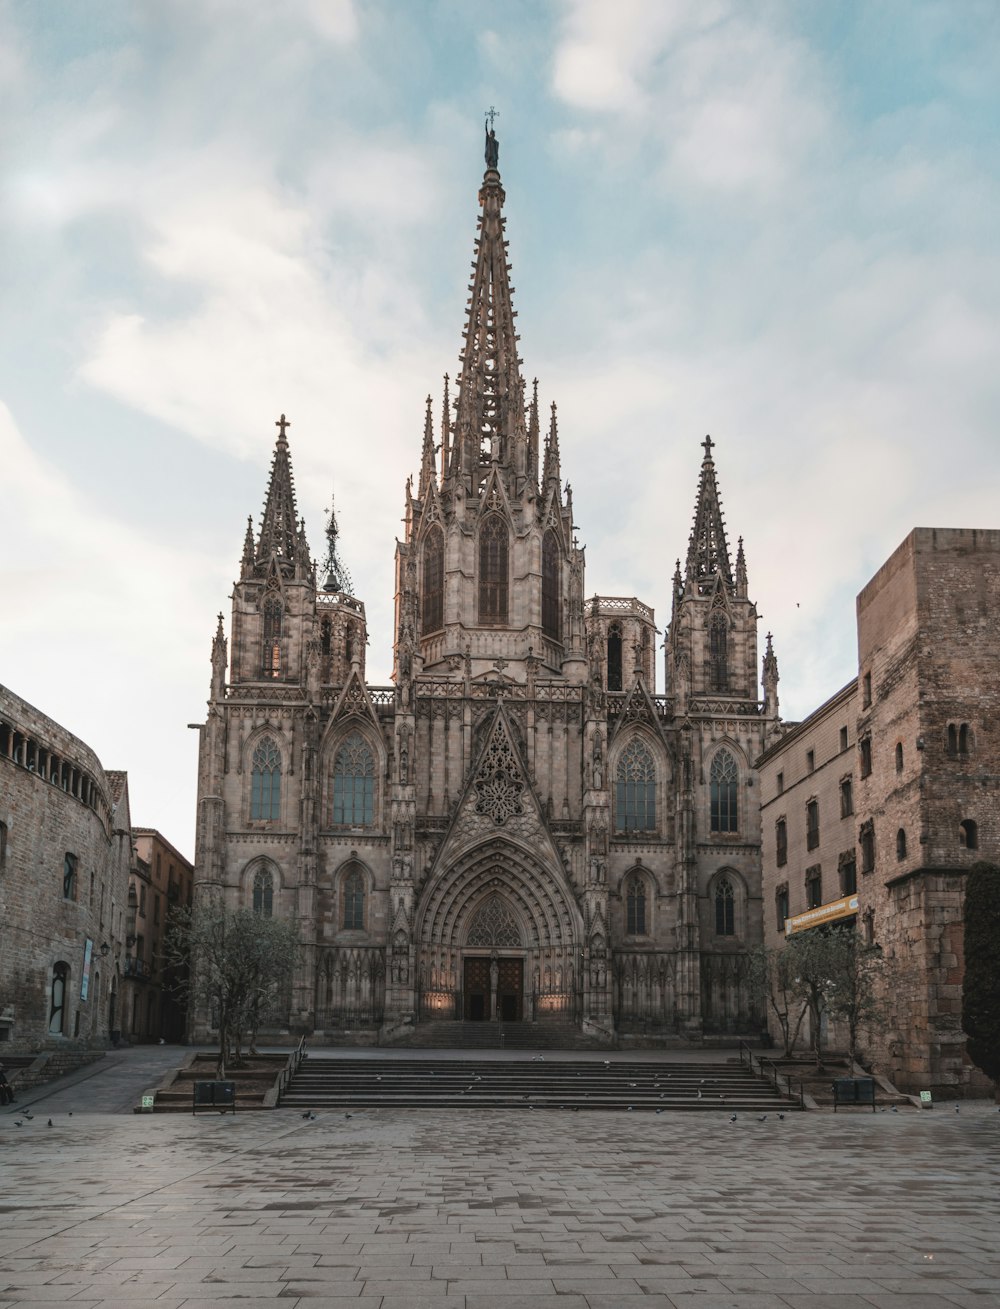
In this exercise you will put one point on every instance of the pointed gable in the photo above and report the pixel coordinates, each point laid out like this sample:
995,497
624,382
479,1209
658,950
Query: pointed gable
354,702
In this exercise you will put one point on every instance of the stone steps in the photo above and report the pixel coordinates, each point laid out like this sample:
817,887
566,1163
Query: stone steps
536,1083
451,1035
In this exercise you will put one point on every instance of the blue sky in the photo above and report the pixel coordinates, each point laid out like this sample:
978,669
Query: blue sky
773,222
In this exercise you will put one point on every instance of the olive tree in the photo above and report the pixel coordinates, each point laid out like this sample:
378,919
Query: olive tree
239,964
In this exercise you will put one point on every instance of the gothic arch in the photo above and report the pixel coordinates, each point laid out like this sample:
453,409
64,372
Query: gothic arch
264,801
352,891
637,891
535,894
493,569
346,741
432,580
625,767
493,924
260,864
727,904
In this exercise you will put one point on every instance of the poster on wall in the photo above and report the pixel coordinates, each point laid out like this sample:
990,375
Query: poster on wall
88,951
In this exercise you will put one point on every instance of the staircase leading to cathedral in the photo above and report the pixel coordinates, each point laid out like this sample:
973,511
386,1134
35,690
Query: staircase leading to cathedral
537,1082
451,1035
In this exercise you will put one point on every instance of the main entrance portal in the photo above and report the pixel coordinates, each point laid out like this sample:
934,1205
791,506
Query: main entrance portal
493,988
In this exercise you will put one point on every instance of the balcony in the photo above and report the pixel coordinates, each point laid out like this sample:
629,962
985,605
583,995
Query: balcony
136,967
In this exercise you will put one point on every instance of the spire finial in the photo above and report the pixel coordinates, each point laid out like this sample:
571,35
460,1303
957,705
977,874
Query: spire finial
280,523
708,553
707,445
492,144
281,424
337,576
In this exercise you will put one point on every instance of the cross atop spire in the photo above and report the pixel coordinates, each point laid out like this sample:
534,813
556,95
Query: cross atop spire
279,526
708,554
490,410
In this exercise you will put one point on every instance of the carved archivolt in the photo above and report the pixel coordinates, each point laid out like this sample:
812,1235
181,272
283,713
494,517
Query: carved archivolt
493,925
535,897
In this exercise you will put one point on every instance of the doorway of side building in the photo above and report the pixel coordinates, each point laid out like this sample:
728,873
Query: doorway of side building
477,990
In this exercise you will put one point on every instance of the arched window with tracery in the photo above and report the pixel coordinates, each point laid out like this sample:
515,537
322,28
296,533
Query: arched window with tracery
263,893
433,591
354,783
723,779
354,900
614,657
718,651
272,615
494,540
725,908
265,781
635,789
550,585
635,906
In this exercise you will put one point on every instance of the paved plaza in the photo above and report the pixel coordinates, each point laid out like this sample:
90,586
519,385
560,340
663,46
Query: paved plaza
524,1210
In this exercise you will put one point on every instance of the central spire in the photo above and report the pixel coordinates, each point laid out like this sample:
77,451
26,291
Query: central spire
708,553
279,526
490,419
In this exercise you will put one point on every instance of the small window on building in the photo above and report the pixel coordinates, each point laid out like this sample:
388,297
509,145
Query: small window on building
964,739
3,844
810,761
812,824
725,908
635,907
781,842
869,926
354,901
866,839
846,797
866,690
69,878
901,844
614,657
899,756
57,1002
843,738
814,887
780,782
156,910
865,752
968,834
142,901
781,905
848,873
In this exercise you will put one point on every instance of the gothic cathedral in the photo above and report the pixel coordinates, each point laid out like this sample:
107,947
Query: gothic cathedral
520,829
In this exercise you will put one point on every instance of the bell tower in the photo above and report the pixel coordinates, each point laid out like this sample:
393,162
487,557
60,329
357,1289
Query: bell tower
489,568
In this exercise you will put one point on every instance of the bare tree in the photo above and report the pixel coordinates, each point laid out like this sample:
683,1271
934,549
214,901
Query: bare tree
773,984
833,970
240,963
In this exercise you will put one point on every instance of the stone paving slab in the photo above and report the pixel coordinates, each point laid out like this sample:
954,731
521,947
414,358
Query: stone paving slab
407,1210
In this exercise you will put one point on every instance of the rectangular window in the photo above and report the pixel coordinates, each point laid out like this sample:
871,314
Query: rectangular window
866,690
848,874
812,824
780,782
810,760
866,838
843,738
156,909
814,887
781,842
865,751
846,797
781,905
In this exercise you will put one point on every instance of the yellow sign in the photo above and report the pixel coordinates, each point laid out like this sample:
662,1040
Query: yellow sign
824,913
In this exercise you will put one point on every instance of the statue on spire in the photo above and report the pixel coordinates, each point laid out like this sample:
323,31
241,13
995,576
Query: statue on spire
492,144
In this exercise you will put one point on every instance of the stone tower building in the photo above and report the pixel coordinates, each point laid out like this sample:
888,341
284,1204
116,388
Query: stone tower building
521,828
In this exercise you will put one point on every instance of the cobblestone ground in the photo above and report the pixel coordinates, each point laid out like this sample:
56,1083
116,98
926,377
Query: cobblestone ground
386,1210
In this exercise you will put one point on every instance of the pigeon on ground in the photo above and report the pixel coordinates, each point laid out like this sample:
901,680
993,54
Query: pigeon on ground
732,1118
50,1122
633,1083
762,1118
28,1114
307,1114
659,1111
18,1123
781,1118
895,1110
630,1108
348,1115
957,1110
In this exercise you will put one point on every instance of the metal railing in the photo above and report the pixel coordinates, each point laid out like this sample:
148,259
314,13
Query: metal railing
770,1072
291,1068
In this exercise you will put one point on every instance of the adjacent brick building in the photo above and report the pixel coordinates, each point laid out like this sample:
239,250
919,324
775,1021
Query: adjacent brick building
913,749
65,853
161,882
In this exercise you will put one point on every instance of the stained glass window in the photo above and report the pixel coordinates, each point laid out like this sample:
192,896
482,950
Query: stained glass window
635,790
550,585
725,908
263,893
433,597
354,783
354,900
723,779
265,781
635,907
493,547
271,640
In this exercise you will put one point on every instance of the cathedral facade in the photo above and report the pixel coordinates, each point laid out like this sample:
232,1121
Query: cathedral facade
521,828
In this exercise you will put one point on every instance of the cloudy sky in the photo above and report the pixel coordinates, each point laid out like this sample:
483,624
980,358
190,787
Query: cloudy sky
773,222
